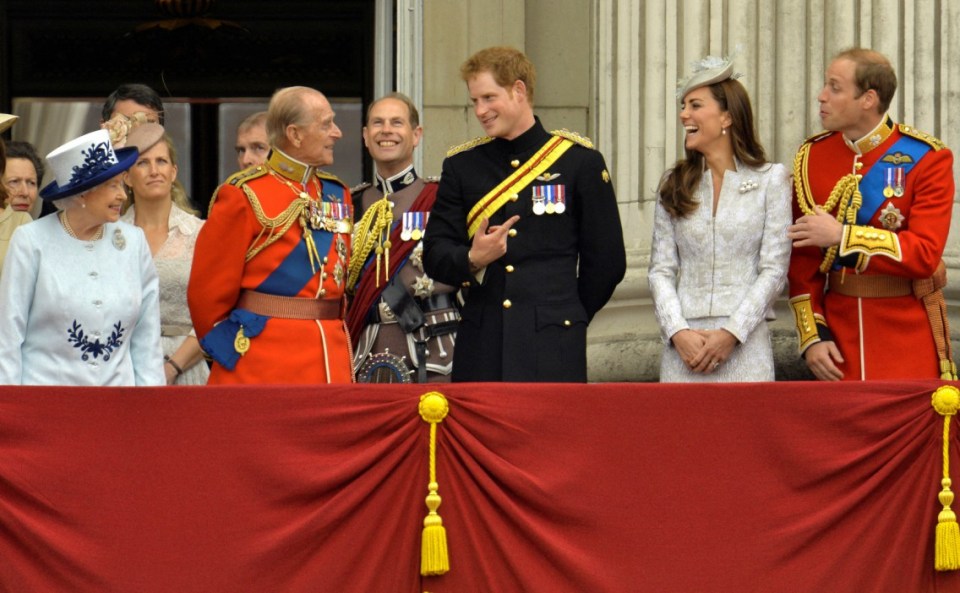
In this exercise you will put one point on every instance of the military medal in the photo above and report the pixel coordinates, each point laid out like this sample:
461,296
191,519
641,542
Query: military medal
561,199
538,201
898,187
419,224
414,224
549,199
315,218
888,183
332,217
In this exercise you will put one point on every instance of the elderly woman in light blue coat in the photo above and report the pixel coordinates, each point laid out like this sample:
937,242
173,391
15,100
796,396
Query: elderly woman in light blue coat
80,291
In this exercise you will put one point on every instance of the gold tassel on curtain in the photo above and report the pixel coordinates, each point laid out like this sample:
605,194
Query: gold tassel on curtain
946,401
434,559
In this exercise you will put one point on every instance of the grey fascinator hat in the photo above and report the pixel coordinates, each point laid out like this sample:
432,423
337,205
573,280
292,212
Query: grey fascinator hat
709,70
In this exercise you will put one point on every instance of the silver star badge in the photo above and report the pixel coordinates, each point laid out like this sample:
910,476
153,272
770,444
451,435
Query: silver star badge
891,218
423,287
416,258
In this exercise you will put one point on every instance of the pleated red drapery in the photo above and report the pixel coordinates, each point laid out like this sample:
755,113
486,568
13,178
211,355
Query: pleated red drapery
786,487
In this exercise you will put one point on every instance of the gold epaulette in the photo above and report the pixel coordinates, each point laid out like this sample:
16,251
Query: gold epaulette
356,189
248,174
573,137
933,141
817,137
468,145
330,177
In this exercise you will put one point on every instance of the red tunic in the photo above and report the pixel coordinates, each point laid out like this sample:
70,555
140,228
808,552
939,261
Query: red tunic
287,350
890,335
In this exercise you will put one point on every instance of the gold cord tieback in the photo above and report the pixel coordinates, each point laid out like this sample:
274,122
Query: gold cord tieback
946,401
434,559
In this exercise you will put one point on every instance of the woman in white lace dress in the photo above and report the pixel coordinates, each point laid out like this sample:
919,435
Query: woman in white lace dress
161,209
720,252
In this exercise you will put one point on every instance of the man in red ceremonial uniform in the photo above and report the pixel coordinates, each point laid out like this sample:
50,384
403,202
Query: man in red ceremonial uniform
873,205
267,285
402,323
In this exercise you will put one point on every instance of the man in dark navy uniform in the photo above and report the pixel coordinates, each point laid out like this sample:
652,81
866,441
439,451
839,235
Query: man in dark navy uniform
528,220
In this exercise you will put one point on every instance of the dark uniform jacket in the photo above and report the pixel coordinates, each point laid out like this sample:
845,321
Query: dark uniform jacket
527,319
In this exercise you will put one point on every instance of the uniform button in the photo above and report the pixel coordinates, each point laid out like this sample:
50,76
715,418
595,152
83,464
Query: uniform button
98,302
89,246
323,275
465,284
323,292
514,197
509,268
96,334
859,165
507,304
93,274
512,232
514,163
566,323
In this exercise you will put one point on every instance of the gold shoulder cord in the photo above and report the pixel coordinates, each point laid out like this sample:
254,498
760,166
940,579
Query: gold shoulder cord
372,232
845,196
274,227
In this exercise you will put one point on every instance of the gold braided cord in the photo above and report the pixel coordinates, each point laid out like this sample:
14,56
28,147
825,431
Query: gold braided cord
845,197
847,192
800,178
371,233
273,227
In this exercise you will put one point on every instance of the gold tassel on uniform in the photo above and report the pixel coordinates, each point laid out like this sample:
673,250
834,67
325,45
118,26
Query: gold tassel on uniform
946,401
434,559
371,234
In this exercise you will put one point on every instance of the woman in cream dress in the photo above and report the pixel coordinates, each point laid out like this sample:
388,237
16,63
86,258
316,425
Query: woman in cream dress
160,208
720,251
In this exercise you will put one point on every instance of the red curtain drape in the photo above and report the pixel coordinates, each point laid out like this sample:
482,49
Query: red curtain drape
785,487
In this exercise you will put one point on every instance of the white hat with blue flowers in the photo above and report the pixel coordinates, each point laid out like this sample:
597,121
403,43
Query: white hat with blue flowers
85,163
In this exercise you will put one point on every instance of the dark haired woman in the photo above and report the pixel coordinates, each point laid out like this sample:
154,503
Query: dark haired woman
720,252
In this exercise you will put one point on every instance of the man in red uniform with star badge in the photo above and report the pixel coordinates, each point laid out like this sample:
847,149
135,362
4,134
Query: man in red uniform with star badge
873,205
266,289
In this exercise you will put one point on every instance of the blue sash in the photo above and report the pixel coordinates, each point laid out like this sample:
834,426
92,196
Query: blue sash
294,272
872,184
